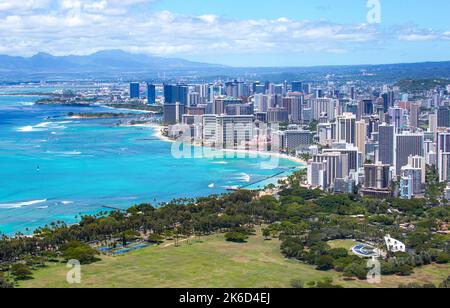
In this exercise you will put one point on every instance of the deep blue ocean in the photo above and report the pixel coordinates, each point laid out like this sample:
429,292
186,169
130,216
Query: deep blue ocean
53,168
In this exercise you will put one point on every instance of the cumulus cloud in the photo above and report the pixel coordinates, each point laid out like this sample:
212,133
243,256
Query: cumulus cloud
64,27
22,6
416,34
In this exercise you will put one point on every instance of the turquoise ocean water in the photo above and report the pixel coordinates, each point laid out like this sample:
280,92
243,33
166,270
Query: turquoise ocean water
53,168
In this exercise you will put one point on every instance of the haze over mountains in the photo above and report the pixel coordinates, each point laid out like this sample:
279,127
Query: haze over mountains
108,60
117,64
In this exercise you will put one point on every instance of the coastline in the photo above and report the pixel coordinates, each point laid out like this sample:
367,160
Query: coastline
158,134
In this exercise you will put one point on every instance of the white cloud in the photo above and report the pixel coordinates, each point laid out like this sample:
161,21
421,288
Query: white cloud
85,26
23,5
415,34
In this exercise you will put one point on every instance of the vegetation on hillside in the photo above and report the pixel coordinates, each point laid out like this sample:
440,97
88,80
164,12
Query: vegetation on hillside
412,85
304,220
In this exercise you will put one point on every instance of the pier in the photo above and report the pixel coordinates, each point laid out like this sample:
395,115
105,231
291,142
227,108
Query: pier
260,181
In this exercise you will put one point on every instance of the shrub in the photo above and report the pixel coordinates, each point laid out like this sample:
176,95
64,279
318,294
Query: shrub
356,270
82,252
324,263
21,271
404,270
236,237
155,239
292,248
4,284
297,284
338,253
324,284
443,258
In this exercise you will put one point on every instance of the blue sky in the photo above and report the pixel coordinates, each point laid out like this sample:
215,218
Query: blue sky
232,32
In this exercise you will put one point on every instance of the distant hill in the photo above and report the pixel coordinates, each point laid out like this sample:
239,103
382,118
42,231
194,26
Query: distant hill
110,61
119,65
409,85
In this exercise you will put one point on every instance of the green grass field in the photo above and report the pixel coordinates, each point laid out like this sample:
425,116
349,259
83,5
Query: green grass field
209,262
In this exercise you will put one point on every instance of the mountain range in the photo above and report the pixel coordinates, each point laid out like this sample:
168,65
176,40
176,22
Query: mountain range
118,64
99,62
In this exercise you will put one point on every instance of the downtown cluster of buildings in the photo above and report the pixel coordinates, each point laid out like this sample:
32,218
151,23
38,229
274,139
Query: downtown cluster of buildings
355,137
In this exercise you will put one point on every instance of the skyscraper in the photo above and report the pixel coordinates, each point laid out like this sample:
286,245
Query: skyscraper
432,122
176,94
376,180
346,128
336,163
443,154
397,116
135,90
293,105
410,182
173,113
170,94
386,144
361,132
297,86
151,93
443,115
407,145
376,176
414,115
367,107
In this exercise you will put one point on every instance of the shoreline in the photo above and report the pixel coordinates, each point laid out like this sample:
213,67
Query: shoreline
158,134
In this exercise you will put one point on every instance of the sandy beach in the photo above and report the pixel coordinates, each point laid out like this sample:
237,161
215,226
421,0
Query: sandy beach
224,152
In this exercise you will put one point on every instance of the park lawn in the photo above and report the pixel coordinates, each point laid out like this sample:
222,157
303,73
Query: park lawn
207,263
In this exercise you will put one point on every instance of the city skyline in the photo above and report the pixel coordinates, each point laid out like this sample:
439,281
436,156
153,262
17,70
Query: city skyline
296,33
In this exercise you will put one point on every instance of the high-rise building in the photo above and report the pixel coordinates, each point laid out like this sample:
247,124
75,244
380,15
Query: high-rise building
411,182
221,103
367,107
386,136
443,115
407,145
376,180
297,86
397,118
414,115
432,122
337,166
443,154
151,93
228,132
352,152
176,94
135,91
170,94
239,109
324,106
173,113
317,174
293,139
194,99
277,115
293,105
325,134
346,128
361,133
418,162
352,92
